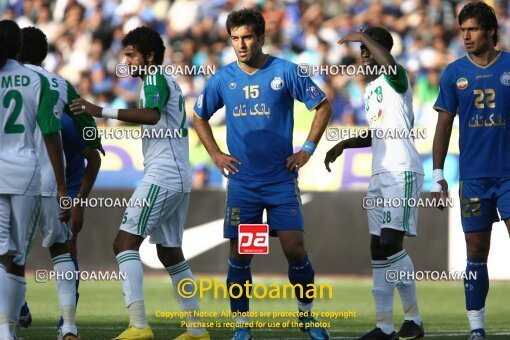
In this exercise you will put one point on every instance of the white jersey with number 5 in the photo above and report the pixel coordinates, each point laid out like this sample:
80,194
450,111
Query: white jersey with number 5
58,91
24,102
389,106
165,144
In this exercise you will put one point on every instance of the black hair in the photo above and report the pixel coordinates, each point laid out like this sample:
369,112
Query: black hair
34,46
381,35
484,14
146,40
10,40
247,16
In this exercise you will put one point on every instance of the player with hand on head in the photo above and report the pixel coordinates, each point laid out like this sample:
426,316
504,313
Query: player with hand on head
397,172
476,87
58,236
166,183
26,102
258,92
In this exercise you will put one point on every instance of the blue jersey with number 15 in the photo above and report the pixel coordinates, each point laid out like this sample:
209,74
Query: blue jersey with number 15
480,95
259,114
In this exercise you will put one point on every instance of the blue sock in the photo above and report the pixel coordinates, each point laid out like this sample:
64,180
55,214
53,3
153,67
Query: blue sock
476,290
301,273
239,272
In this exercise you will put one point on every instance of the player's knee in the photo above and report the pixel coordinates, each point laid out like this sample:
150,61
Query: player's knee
57,249
295,255
376,251
477,249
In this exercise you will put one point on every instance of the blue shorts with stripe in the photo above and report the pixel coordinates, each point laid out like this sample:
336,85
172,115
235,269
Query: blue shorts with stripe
480,201
246,202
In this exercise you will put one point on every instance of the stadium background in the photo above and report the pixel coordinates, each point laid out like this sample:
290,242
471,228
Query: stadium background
85,46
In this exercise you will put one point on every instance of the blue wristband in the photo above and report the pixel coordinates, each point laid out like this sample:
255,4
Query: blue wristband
309,147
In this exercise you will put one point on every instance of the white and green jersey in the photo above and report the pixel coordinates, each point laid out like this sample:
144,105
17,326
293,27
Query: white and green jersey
25,100
165,144
59,98
389,106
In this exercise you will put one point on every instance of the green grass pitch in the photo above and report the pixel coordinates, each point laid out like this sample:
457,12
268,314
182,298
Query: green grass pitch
101,313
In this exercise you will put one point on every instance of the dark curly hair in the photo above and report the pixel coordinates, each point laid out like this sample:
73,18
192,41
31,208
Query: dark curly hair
484,14
34,46
10,40
247,16
381,35
146,40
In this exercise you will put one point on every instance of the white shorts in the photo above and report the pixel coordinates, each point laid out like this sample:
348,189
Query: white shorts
18,215
163,218
52,230
397,189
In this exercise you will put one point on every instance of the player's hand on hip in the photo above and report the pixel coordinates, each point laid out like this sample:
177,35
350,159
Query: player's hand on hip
439,191
297,161
81,106
333,154
226,162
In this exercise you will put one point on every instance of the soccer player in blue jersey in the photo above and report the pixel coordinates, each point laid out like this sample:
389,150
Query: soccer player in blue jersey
258,91
476,87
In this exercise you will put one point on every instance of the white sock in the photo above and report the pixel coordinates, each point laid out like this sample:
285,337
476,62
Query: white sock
66,290
177,273
383,292
17,286
476,318
401,262
305,307
137,314
132,287
4,305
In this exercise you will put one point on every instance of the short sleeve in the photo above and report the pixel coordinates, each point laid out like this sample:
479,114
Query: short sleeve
446,99
81,122
156,92
302,88
210,100
400,83
48,122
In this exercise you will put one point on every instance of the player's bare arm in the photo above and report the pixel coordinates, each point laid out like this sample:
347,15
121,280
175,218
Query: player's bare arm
351,143
375,50
145,116
440,149
53,144
89,177
320,121
222,160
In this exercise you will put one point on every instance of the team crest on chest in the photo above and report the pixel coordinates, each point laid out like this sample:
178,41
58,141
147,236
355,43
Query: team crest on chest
277,83
232,85
505,78
379,95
